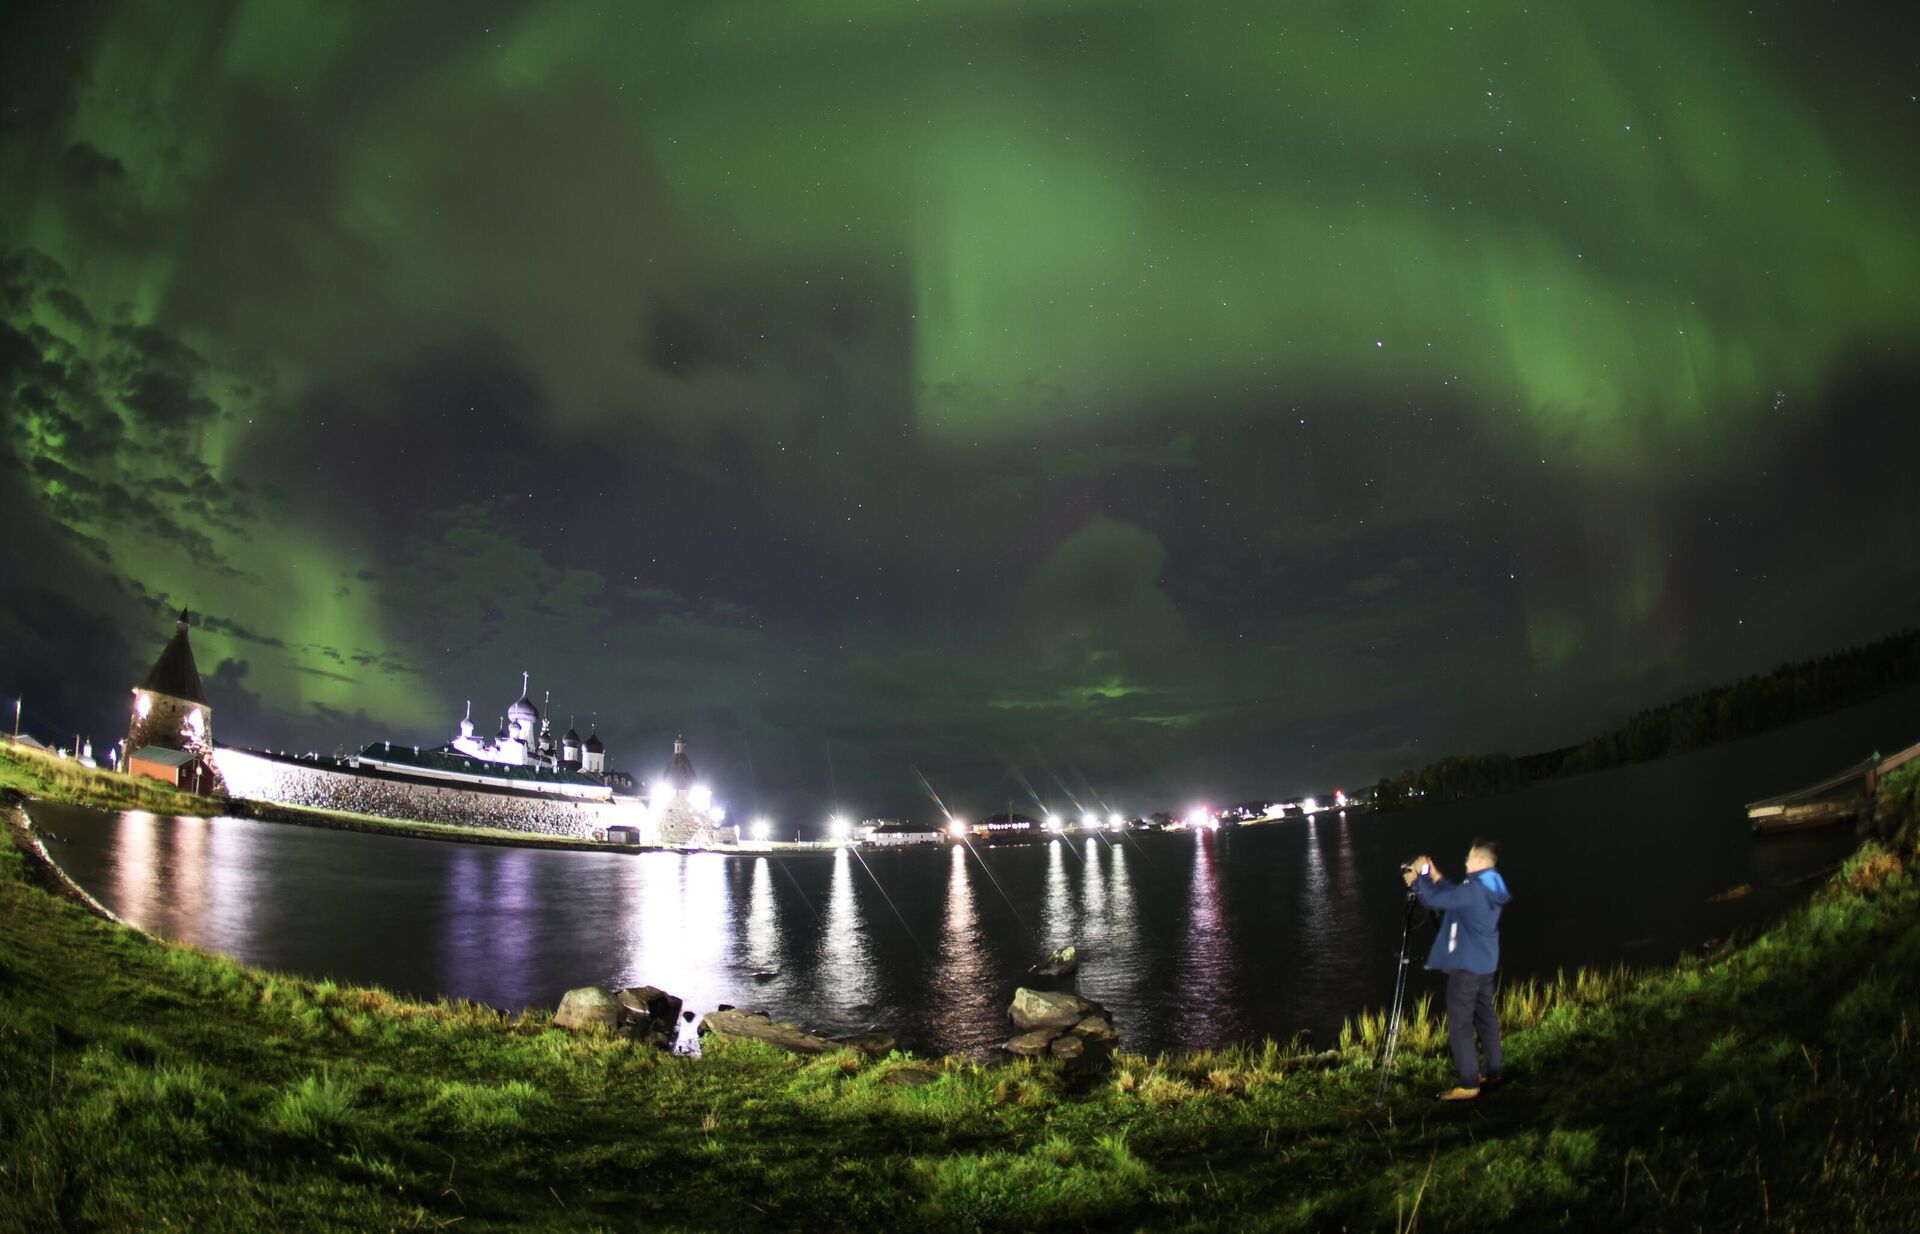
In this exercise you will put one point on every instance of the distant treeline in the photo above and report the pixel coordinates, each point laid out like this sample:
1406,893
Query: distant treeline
1451,779
1752,705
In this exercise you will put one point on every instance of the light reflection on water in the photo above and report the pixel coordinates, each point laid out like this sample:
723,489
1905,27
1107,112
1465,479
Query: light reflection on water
762,933
488,922
846,960
136,878
1316,897
1094,928
1057,924
963,976
1191,939
1206,962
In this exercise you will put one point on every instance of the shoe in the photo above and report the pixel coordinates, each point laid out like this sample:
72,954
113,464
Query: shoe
1491,1081
1460,1094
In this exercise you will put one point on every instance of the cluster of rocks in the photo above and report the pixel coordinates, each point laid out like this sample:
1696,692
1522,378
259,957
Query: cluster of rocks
645,1012
1074,1030
650,1014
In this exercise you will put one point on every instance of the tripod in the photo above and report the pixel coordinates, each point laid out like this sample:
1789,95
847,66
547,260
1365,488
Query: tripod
1399,1004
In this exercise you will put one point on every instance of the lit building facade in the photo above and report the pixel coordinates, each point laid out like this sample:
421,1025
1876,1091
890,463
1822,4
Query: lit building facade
681,810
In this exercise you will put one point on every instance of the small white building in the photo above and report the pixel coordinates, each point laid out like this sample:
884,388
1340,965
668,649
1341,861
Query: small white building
900,835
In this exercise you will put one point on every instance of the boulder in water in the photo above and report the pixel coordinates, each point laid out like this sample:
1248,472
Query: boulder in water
587,1007
1068,1048
1061,963
1055,1009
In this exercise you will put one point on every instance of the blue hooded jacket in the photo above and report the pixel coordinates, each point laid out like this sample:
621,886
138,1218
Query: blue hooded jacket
1469,939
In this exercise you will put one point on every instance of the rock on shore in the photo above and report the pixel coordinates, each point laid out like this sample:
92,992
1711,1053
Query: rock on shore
1034,1009
650,1013
587,1007
1075,1030
758,1026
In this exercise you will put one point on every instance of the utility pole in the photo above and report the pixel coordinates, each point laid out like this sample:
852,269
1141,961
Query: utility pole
18,702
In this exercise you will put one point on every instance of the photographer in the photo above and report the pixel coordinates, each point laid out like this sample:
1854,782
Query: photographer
1467,950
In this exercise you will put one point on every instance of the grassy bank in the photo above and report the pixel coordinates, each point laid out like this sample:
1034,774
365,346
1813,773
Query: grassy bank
144,1085
35,773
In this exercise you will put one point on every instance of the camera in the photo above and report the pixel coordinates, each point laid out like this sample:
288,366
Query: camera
1406,867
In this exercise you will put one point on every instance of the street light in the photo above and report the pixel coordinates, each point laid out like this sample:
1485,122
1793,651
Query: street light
838,830
1053,822
957,827
761,828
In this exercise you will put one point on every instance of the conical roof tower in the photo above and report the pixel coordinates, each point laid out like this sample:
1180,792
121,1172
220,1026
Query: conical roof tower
680,770
170,733
174,673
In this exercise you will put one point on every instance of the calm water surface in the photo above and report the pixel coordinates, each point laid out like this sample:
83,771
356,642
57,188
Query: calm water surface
1193,940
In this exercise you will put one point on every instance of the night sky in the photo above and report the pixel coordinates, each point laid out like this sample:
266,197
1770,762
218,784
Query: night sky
1142,402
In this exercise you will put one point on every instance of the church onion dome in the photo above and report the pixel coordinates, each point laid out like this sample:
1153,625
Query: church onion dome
524,710
594,744
174,673
572,738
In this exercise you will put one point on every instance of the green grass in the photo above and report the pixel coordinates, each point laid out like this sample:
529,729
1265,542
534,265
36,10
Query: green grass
35,773
147,1086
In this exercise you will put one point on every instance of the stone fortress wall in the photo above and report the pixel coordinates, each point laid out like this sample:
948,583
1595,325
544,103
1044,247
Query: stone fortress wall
324,784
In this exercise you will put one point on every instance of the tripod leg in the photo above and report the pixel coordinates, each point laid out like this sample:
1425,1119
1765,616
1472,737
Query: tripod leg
1398,1005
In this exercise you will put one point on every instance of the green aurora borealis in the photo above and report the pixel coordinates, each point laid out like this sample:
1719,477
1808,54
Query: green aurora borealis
1152,399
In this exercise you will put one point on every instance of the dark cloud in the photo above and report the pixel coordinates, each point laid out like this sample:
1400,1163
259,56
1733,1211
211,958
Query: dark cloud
106,414
222,625
88,167
69,664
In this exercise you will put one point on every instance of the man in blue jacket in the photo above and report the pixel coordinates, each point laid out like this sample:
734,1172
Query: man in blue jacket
1467,950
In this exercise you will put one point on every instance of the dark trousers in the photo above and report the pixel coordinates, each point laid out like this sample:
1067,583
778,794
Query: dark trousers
1470,1011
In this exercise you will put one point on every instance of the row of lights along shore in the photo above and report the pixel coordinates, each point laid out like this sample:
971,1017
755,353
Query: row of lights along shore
840,830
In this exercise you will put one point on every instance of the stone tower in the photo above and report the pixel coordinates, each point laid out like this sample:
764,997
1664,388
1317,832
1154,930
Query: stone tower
170,734
170,708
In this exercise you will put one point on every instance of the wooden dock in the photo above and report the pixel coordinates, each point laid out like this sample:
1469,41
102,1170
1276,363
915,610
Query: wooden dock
1837,799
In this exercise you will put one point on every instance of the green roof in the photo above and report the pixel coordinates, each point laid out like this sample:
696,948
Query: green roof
165,756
